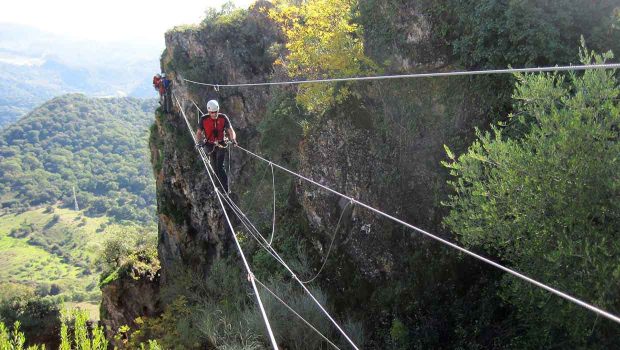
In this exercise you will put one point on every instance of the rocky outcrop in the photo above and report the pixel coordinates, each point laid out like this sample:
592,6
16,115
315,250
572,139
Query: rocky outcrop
126,299
383,147
192,230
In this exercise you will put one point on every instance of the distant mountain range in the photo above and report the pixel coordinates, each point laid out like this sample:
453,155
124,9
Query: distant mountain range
36,66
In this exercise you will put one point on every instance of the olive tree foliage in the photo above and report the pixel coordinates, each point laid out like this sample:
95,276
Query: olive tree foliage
322,41
545,201
497,33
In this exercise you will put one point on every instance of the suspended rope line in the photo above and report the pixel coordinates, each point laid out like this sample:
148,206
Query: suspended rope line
200,113
251,229
330,244
273,252
240,214
236,208
262,176
424,75
448,243
294,312
228,177
264,244
245,262
198,108
278,258
273,224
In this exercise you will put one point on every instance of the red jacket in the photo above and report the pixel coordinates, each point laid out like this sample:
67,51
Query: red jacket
214,128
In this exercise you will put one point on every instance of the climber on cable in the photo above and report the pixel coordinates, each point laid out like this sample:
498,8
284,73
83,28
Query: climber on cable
215,129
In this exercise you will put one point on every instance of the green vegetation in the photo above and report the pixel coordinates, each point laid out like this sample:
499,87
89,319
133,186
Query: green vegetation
56,250
35,280
496,34
129,254
51,256
545,201
76,335
38,316
97,146
220,311
322,41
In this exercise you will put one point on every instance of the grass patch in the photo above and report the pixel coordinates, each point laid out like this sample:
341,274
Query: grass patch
55,250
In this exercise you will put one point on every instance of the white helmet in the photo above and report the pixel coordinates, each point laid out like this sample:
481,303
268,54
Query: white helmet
213,106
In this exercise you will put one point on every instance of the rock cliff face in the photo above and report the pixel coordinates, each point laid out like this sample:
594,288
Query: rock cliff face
382,145
126,299
192,230
383,148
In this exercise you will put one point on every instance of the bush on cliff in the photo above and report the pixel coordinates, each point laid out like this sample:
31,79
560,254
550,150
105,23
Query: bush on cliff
323,41
545,202
129,252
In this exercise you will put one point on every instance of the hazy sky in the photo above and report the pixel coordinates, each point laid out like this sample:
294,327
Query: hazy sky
108,19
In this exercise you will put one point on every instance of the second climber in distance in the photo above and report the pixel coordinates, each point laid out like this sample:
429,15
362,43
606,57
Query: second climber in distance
214,128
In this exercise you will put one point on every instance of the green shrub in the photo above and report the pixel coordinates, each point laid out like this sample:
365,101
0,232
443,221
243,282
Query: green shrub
37,316
82,335
542,196
132,252
399,334
11,340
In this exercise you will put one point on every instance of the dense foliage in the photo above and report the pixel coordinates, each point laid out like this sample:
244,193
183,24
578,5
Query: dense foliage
495,33
76,332
546,201
98,146
38,316
129,253
322,42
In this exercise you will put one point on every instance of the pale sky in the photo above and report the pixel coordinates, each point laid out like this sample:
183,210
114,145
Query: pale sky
109,20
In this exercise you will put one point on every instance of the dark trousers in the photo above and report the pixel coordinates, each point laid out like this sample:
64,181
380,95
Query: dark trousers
217,162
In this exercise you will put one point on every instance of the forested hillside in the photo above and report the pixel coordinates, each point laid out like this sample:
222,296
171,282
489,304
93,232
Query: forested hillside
98,146
51,253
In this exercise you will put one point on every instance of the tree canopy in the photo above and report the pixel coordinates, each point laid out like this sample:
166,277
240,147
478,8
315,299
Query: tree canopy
322,42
